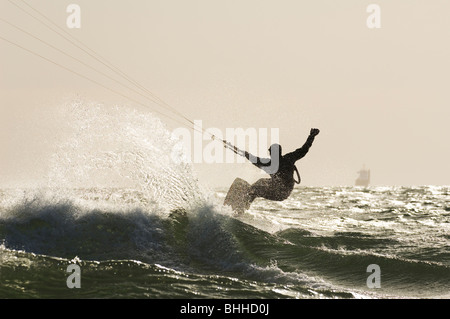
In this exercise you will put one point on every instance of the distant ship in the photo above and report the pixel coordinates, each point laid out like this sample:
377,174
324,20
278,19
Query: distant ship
363,178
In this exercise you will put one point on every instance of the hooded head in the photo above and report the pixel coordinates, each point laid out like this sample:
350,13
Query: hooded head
275,150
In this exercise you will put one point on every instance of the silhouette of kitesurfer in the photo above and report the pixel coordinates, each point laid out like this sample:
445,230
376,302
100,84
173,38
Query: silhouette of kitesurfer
281,169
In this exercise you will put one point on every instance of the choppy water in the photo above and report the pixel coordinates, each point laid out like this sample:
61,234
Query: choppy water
317,244
132,242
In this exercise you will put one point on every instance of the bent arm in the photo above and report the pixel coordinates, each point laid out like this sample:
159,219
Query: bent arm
302,151
257,161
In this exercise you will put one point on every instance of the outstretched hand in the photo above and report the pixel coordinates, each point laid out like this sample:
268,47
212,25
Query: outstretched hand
314,132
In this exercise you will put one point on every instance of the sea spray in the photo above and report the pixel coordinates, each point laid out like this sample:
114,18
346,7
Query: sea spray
120,147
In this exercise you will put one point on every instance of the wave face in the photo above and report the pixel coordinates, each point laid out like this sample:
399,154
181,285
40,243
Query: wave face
205,251
157,234
203,248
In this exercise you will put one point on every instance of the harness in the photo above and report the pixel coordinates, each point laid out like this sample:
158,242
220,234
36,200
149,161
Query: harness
299,180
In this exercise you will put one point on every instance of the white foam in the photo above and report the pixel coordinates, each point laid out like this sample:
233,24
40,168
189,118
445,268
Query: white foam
120,147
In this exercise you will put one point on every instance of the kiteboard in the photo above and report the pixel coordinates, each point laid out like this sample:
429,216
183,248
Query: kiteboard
238,196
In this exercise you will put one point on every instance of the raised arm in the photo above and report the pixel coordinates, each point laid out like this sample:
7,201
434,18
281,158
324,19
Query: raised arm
302,151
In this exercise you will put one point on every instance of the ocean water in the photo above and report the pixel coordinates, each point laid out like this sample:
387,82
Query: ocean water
316,244
160,235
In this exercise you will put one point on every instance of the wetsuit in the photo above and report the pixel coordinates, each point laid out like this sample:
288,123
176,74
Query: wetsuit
281,182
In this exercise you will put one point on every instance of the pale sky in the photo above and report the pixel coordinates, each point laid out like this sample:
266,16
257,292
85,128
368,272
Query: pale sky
379,96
